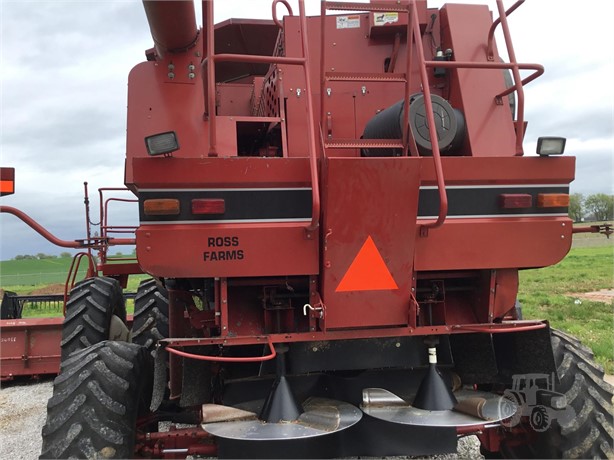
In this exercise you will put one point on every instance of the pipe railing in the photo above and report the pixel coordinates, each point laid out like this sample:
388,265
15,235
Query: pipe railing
208,71
430,117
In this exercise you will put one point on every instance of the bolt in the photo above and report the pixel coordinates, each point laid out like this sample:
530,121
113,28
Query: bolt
224,301
314,349
398,345
191,67
171,75
191,75
171,67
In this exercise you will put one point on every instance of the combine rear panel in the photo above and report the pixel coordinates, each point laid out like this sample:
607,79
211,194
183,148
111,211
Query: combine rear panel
334,210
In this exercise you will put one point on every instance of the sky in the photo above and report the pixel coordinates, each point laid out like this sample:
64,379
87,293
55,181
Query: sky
64,69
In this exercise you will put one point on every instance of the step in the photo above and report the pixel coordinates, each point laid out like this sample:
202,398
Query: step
364,144
357,6
365,76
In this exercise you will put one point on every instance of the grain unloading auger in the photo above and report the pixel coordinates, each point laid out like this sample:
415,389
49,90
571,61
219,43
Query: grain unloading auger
334,211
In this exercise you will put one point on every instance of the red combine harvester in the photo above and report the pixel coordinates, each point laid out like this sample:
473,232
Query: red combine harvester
333,210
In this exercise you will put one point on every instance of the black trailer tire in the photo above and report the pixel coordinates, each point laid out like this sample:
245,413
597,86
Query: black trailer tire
588,434
89,311
96,400
150,314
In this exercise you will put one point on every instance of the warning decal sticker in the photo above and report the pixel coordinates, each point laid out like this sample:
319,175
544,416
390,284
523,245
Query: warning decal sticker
368,272
348,22
381,19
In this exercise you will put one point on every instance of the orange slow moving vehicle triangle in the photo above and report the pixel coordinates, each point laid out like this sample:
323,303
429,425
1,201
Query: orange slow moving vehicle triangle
368,272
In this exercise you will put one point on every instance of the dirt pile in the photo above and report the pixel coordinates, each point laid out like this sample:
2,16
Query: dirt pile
603,295
50,289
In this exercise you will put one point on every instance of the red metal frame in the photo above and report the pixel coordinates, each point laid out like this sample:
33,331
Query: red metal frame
208,65
353,200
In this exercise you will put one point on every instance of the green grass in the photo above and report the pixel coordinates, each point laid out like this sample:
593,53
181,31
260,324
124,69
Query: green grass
29,275
547,293
34,273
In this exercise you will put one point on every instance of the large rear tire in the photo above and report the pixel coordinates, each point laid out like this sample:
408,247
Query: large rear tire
96,399
89,313
589,434
150,314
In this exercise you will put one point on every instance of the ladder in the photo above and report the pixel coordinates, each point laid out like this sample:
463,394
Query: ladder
407,143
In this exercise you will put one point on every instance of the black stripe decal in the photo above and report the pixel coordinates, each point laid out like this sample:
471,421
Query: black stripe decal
484,201
242,205
270,205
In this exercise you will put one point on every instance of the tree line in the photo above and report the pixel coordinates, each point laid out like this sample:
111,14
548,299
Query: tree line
597,207
41,256
63,255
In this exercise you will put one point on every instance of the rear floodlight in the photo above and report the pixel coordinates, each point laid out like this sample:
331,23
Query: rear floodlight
550,146
162,144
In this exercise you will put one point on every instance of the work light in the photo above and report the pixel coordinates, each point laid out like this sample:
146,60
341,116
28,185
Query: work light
547,146
162,143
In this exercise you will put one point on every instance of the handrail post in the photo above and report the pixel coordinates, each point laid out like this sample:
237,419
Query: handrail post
517,77
410,41
322,64
208,66
209,76
313,161
491,33
443,197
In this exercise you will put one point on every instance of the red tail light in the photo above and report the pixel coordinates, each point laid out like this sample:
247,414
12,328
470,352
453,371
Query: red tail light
515,201
208,206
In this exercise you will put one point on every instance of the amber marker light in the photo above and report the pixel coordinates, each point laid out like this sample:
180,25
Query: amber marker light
553,200
161,207
515,200
208,206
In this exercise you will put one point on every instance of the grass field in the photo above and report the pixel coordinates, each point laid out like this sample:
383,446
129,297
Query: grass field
24,274
546,293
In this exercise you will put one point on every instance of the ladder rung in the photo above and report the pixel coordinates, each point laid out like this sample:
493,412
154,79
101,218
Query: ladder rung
357,6
364,144
364,76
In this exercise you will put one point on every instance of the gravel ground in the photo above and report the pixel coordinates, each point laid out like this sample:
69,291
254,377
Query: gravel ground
23,410
22,416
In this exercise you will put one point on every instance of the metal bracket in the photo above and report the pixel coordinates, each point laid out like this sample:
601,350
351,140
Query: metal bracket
317,312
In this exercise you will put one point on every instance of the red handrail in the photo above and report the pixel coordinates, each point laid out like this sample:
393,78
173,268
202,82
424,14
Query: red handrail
491,33
274,11
517,78
430,117
208,66
41,230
